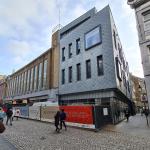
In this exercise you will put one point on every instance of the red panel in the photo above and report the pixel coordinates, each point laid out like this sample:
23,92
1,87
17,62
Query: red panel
78,114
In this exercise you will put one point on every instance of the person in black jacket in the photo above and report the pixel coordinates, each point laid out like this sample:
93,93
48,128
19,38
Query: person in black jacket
57,119
62,119
9,116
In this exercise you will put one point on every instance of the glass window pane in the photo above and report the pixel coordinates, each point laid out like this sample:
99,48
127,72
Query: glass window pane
92,38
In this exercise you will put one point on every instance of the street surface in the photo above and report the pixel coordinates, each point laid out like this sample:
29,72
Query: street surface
33,135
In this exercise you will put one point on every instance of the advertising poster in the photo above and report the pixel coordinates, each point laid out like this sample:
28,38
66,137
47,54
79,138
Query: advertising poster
24,111
79,114
48,112
34,112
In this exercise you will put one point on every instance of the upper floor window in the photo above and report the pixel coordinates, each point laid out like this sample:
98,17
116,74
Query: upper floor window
88,69
63,76
78,72
93,38
146,17
118,68
114,36
100,70
78,47
70,74
70,50
63,54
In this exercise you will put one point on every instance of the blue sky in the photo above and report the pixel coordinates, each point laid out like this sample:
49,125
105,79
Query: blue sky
26,28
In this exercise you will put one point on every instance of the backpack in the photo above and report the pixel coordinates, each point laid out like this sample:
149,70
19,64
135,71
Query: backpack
2,127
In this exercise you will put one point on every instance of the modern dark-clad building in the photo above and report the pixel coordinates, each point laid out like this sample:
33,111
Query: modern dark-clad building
93,68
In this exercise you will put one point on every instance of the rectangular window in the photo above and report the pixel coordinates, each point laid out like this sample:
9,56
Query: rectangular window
63,77
70,50
63,54
31,80
100,70
70,74
40,76
45,74
118,68
146,17
35,77
28,81
78,46
88,69
78,72
92,38
115,42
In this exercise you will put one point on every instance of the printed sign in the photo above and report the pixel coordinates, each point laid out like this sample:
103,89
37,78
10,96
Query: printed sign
34,112
105,111
79,114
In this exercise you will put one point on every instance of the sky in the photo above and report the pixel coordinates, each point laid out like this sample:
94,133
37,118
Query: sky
26,28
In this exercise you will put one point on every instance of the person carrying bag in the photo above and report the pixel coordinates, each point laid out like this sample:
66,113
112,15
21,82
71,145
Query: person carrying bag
2,127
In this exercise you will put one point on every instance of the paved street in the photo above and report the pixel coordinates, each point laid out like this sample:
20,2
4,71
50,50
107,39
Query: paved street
137,125
33,135
6,145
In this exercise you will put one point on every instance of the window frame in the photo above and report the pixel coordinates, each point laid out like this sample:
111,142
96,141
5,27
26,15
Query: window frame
100,35
88,72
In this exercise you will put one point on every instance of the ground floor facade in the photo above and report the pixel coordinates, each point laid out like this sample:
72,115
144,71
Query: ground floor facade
107,106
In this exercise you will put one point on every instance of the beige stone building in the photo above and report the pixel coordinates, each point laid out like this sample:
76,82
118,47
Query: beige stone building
142,12
139,94
38,80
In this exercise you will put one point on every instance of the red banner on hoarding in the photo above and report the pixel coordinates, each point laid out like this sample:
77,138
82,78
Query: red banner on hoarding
79,114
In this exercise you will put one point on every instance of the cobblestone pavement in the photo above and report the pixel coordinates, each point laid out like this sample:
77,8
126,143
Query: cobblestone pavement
33,135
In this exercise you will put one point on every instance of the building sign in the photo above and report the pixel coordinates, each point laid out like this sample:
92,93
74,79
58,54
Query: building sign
105,111
79,114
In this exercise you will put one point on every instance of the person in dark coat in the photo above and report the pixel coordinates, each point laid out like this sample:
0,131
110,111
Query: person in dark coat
9,114
127,114
62,119
57,120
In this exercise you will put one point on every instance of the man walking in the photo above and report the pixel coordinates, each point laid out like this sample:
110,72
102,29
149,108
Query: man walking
9,116
62,119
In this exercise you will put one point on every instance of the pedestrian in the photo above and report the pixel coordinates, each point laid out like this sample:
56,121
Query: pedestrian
14,111
9,116
17,113
146,112
57,121
127,114
2,115
62,119
2,127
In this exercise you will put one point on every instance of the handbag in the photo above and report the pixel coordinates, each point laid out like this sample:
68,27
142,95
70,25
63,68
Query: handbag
2,127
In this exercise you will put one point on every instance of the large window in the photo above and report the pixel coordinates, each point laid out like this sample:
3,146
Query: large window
92,38
40,76
78,46
100,65
28,80
88,69
114,36
118,68
25,82
31,80
45,74
70,50
63,54
78,72
63,77
35,77
146,16
70,74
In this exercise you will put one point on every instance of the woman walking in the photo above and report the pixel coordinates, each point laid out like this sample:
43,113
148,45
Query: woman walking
57,120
